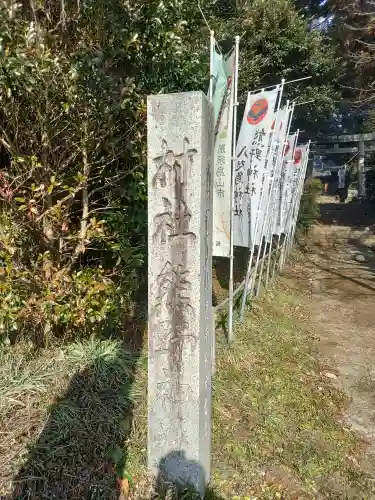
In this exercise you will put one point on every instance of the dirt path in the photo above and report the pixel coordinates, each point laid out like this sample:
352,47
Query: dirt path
340,273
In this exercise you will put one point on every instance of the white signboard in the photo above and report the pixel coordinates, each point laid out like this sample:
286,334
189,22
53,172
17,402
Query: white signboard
251,153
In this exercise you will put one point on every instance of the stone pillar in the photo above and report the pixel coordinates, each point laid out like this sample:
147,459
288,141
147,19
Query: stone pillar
361,169
180,287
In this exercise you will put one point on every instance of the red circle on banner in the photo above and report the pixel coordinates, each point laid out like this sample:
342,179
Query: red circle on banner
297,156
257,111
286,148
274,123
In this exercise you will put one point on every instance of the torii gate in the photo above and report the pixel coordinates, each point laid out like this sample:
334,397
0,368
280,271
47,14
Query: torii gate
360,149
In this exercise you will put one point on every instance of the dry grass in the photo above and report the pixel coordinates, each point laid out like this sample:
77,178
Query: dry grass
75,419
276,419
65,419
277,430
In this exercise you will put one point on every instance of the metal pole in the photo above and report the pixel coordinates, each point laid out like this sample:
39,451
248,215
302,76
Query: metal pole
248,272
298,201
252,250
290,239
269,218
269,259
231,257
293,213
285,83
210,98
264,223
296,210
298,205
212,76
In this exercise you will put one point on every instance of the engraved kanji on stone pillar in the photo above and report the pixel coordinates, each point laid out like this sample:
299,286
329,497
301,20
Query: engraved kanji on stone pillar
180,287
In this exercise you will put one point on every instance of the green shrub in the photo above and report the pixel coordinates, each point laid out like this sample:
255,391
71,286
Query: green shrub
73,219
74,77
309,208
44,295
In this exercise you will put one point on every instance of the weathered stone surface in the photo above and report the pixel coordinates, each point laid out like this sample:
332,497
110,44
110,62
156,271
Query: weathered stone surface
180,284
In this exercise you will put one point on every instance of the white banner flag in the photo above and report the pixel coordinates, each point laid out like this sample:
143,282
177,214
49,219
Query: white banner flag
278,157
296,166
222,202
251,153
301,158
268,203
285,180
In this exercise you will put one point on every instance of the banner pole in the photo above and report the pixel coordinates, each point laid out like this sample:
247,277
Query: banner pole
210,98
234,142
248,272
252,250
301,190
253,276
285,83
212,50
286,139
295,212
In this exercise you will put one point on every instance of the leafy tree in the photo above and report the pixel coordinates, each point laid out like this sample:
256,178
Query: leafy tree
276,42
72,130
353,29
74,77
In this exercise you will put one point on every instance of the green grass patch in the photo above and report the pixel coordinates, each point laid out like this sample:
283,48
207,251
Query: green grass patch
74,420
65,419
277,423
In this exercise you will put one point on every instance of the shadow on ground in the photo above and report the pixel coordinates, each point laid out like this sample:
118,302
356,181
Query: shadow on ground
82,448
81,453
353,214
177,460
341,275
